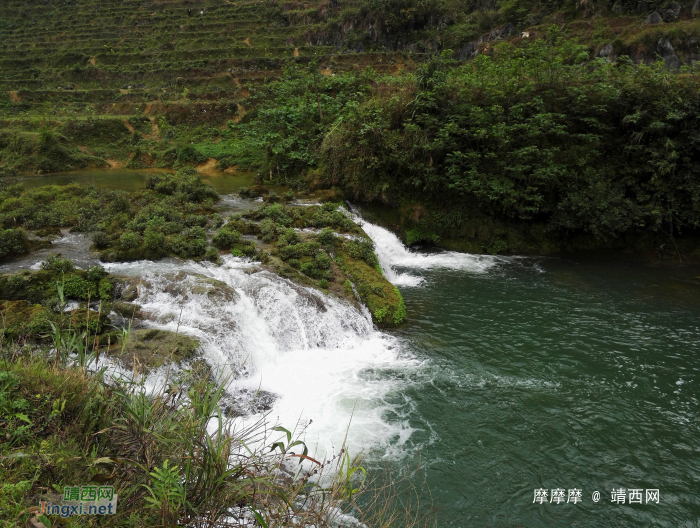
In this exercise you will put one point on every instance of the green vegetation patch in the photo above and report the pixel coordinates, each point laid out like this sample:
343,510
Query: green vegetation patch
151,348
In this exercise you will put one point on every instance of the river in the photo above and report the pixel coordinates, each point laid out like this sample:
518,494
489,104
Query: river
552,373
512,374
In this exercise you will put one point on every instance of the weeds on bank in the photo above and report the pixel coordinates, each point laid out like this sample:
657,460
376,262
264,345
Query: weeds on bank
172,455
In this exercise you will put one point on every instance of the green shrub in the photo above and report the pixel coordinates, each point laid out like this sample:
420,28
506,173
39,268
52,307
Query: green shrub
57,264
154,240
322,260
226,238
13,242
76,287
186,184
323,283
211,254
326,237
95,273
289,237
361,249
100,240
129,240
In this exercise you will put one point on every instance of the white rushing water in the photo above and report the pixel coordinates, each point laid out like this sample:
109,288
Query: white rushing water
393,255
329,368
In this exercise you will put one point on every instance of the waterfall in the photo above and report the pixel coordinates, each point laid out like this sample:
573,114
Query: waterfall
326,364
393,254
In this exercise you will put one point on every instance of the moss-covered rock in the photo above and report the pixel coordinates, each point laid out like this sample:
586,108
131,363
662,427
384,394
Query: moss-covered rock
152,348
22,320
383,299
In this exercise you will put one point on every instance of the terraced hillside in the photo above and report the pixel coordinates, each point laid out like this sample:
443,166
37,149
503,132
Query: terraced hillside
115,82
99,72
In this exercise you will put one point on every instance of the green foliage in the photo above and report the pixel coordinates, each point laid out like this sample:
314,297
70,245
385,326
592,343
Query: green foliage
226,238
100,240
186,185
13,409
414,236
57,264
361,249
406,15
76,287
211,254
188,244
168,217
400,312
129,240
287,121
13,242
536,133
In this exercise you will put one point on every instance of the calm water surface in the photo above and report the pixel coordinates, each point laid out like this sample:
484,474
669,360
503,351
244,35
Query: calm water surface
549,373
135,179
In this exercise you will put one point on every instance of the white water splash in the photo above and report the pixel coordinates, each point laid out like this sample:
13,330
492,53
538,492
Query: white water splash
323,358
393,254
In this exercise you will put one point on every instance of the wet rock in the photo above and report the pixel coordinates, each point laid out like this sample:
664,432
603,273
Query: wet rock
246,402
184,285
127,310
606,51
667,53
508,31
654,18
671,12
696,8
127,288
151,348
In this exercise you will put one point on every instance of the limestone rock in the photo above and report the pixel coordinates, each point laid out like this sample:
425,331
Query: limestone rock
654,18
468,51
667,53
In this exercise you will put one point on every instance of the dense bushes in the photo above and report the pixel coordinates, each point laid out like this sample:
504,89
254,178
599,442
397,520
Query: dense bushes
170,217
536,135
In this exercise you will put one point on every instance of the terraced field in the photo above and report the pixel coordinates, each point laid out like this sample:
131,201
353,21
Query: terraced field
136,57
106,77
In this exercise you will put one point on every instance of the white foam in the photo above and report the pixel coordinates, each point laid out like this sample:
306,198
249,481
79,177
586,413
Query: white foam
392,254
311,350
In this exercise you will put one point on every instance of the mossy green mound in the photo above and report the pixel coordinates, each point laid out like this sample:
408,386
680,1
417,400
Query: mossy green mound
152,348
